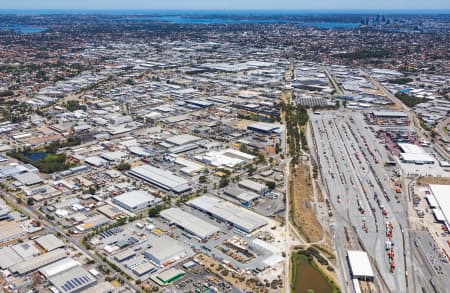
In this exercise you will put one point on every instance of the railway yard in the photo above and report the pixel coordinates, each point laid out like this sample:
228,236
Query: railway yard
368,195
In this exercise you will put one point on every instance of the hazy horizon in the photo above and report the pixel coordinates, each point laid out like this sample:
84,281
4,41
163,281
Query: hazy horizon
226,5
219,11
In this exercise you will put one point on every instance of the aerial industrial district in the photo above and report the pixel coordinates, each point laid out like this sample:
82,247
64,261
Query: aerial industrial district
236,174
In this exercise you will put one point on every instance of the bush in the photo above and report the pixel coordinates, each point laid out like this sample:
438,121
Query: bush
403,80
271,185
123,166
224,181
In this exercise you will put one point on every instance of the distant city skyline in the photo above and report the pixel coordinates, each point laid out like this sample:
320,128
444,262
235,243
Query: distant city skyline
229,4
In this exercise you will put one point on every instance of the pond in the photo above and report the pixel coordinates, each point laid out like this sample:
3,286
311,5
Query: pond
307,277
36,156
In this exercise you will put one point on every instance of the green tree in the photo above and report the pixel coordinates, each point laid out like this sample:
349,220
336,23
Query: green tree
92,190
123,166
30,201
271,184
224,181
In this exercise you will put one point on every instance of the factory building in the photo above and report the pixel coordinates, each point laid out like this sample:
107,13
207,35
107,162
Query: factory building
414,154
28,178
167,277
226,158
67,275
389,114
125,255
223,210
165,251
253,186
265,128
189,223
247,198
161,178
439,201
49,242
143,268
135,201
37,262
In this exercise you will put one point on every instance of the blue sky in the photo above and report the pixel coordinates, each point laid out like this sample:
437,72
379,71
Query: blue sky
226,4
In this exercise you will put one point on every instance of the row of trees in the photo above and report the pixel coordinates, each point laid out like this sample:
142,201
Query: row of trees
296,118
363,54
74,105
409,100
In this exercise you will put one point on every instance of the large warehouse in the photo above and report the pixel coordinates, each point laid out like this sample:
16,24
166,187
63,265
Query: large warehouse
37,262
182,139
190,223
135,201
161,178
439,200
253,186
239,217
414,154
165,250
266,128
389,114
360,265
225,158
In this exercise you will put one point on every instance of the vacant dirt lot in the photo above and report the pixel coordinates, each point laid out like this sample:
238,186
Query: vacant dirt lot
433,180
303,213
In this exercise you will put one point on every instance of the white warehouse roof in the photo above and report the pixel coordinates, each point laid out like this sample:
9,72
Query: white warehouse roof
113,156
161,178
165,250
38,261
252,185
95,161
190,223
59,267
411,148
182,139
237,216
135,199
441,194
414,153
225,158
389,114
49,242
360,264
265,127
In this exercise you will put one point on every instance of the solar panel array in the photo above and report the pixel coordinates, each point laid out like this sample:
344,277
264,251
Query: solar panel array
75,283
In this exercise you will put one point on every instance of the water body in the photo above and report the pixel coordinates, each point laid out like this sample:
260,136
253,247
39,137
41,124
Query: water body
331,25
36,156
308,278
180,19
23,29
